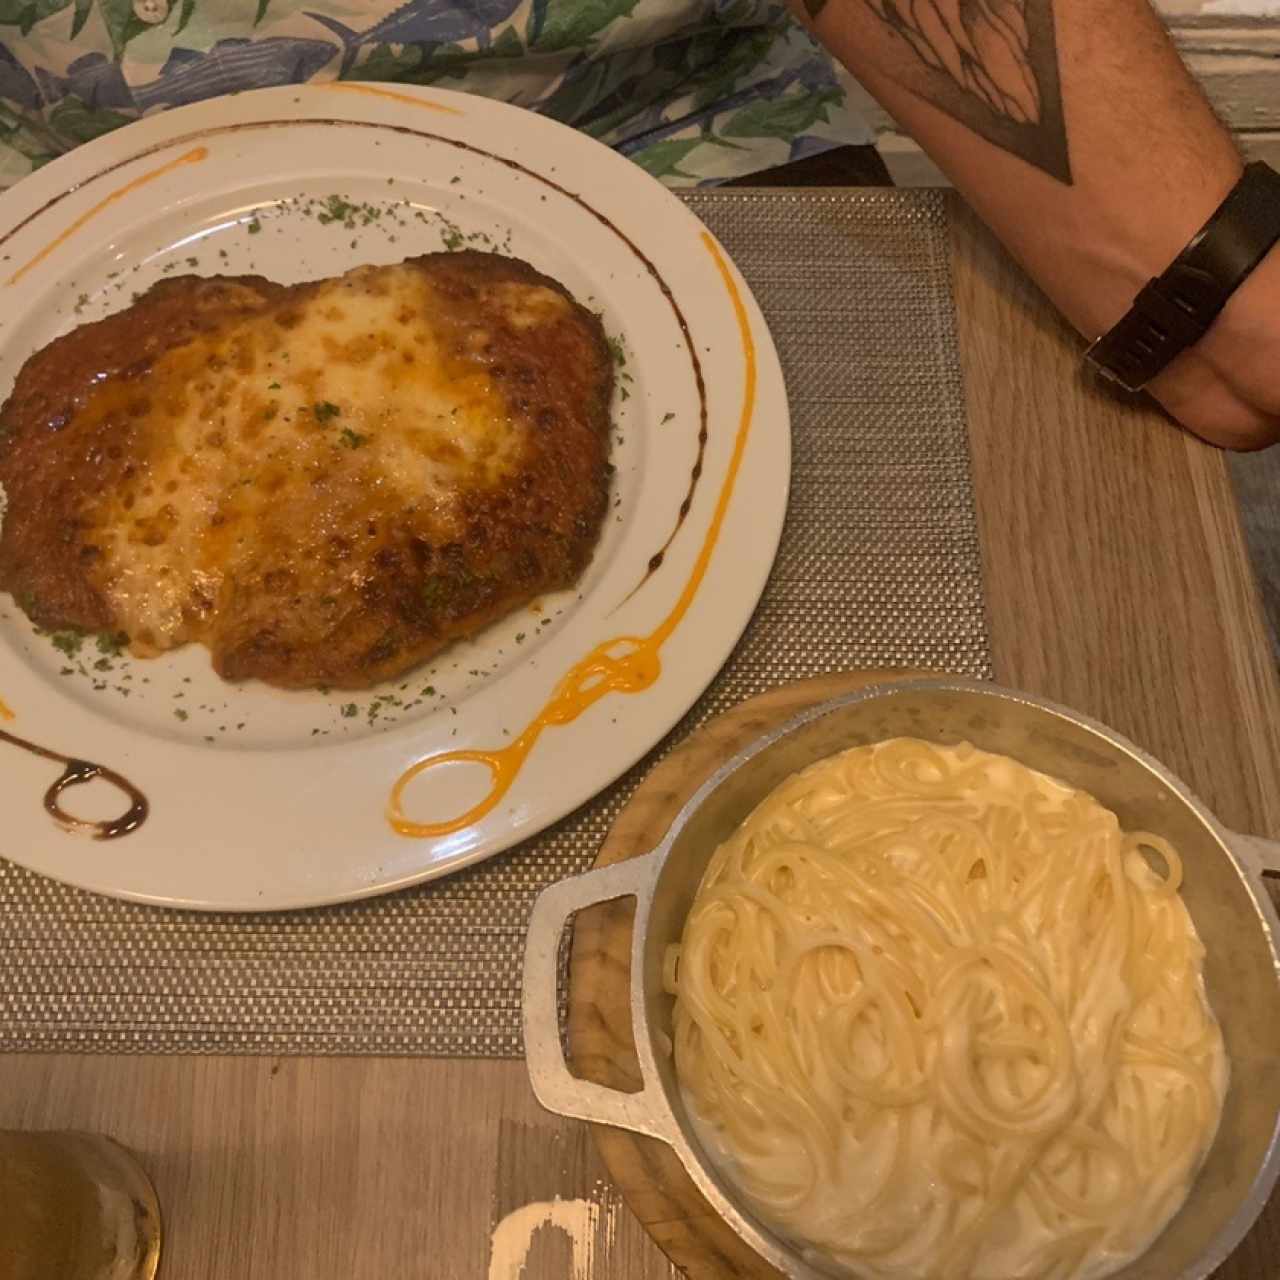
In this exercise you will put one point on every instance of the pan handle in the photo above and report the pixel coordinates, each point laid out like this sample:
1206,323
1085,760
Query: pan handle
554,1085
1262,855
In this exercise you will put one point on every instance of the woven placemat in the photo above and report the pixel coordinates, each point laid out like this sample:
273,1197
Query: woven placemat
878,567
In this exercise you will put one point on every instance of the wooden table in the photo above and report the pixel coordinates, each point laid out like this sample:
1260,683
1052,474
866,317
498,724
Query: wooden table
1116,582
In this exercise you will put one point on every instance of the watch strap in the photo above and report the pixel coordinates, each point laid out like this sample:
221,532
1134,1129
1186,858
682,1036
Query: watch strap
1175,310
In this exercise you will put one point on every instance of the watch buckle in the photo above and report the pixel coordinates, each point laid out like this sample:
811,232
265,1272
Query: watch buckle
1109,374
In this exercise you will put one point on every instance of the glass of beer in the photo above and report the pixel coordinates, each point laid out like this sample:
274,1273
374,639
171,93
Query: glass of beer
75,1206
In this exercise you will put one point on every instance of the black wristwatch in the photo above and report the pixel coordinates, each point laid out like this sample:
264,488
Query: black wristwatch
1175,310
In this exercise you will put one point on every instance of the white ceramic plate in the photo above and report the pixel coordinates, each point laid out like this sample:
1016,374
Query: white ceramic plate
260,799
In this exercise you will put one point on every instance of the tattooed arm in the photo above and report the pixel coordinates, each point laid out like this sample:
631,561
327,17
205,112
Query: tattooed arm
1075,131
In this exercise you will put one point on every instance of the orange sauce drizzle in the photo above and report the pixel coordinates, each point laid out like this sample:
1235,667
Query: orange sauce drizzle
6,711
194,156
626,664
350,87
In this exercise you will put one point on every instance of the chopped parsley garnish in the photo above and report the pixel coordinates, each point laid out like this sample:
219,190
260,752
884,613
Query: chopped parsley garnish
667,417
180,714
453,239
616,351
350,709
254,226
351,439
111,642
336,209
324,410
68,642
273,386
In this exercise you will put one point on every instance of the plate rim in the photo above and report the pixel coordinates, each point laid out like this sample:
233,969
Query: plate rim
168,126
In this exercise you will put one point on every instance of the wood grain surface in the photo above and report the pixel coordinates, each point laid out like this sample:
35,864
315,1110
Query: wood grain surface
335,1168
1114,568
1116,582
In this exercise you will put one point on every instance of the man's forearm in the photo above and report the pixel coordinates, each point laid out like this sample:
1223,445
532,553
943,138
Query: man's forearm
1070,125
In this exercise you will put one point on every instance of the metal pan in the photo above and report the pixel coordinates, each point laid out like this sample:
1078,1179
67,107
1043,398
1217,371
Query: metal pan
1223,891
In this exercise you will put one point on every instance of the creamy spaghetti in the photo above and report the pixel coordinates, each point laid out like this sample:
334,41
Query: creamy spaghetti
938,1017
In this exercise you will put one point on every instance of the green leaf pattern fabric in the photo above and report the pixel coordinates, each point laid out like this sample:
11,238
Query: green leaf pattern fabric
695,91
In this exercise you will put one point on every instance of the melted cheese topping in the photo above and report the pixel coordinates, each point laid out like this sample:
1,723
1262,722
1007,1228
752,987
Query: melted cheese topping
262,445
938,1019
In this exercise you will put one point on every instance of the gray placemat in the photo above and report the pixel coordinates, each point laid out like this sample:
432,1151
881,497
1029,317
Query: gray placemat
878,567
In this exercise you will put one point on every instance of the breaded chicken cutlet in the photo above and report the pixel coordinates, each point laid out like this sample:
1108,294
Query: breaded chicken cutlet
325,483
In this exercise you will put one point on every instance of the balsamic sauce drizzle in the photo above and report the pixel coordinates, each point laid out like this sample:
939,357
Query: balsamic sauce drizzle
75,773
655,560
